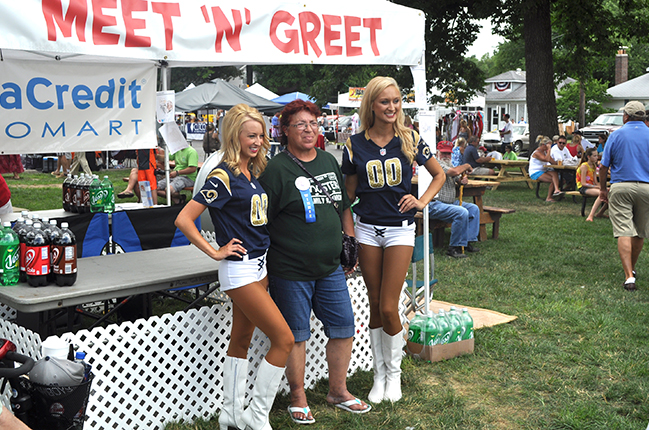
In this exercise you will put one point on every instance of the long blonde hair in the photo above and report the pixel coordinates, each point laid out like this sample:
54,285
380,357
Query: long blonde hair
232,126
374,88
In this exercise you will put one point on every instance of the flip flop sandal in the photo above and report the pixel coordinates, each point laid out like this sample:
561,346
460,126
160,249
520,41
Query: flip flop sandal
345,406
125,195
306,420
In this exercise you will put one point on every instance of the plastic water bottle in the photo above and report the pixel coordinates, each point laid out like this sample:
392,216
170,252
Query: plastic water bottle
468,324
65,258
67,193
109,203
37,257
9,255
415,329
97,195
80,357
430,330
444,328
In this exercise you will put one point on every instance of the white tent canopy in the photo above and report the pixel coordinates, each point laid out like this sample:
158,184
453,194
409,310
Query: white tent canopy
261,91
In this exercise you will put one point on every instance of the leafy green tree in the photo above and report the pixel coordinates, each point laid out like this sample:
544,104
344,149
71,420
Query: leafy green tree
568,101
181,77
509,55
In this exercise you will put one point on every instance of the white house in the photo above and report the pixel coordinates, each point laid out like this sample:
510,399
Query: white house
635,89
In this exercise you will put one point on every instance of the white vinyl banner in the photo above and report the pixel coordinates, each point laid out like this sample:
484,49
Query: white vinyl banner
218,31
48,107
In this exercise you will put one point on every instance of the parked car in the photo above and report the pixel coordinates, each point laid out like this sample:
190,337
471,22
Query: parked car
608,122
520,138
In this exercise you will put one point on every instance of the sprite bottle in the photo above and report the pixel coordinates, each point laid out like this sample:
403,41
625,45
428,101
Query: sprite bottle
97,195
109,202
430,330
443,327
9,255
456,325
468,324
415,329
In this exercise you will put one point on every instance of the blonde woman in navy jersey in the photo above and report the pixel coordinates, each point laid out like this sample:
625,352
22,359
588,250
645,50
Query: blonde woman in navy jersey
238,207
378,163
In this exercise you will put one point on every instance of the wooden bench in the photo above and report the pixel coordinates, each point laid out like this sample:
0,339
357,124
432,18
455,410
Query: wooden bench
583,202
495,214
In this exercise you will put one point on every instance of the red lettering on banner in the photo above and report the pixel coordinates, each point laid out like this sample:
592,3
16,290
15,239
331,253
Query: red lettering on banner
100,21
167,10
293,44
53,14
308,36
310,27
223,27
133,40
352,36
331,35
373,24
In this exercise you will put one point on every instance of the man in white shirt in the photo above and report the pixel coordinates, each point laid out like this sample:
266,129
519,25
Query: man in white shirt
506,133
561,155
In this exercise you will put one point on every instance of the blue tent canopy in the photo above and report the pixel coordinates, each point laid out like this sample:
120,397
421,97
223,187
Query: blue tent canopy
287,98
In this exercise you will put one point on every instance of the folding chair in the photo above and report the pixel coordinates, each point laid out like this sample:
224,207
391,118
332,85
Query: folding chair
415,290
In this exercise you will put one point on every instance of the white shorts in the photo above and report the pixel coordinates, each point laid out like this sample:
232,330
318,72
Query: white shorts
235,274
383,237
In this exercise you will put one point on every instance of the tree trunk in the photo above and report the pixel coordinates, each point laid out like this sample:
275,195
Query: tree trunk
582,104
541,103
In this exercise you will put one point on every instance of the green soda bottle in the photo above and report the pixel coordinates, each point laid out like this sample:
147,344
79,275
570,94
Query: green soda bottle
430,330
415,329
97,195
444,328
109,203
456,325
468,324
10,255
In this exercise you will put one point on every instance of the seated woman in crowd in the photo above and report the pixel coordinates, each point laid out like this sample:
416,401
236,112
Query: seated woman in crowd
539,162
603,137
458,152
575,148
509,154
588,181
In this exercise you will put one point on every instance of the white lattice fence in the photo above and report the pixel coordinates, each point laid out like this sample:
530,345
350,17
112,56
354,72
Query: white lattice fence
168,368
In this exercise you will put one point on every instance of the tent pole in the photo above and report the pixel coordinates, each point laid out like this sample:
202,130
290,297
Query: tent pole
163,77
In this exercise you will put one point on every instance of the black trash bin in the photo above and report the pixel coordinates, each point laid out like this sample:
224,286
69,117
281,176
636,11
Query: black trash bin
60,407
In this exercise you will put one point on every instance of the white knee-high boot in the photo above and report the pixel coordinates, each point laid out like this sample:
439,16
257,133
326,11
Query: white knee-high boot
256,414
235,374
378,389
392,354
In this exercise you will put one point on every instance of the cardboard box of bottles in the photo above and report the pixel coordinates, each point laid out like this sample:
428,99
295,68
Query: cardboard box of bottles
440,352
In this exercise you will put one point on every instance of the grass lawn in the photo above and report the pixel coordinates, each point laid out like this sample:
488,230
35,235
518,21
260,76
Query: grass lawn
577,357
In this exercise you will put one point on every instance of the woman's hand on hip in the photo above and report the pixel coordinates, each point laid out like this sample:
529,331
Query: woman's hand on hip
409,202
231,248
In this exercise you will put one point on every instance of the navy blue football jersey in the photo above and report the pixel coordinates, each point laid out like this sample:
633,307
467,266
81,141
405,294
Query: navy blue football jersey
238,208
384,176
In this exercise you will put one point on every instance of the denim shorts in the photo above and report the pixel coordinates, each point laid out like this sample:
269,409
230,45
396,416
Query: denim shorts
328,298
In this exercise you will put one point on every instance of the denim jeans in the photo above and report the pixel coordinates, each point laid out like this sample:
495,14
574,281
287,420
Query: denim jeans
465,219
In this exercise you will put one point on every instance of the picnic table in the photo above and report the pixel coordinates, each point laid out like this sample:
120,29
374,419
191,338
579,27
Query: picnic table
505,175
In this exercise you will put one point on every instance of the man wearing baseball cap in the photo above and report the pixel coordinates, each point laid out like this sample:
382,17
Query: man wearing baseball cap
624,156
465,218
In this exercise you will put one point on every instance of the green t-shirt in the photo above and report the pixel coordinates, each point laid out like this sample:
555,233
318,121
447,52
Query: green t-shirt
511,155
301,251
186,157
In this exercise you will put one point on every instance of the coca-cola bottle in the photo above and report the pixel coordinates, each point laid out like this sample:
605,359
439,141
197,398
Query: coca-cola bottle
74,187
65,257
23,231
37,257
67,193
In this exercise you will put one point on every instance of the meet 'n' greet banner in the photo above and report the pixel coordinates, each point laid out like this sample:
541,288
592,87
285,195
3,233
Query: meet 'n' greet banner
48,107
218,31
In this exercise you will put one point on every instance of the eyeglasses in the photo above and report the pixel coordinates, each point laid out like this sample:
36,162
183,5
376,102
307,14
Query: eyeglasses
303,125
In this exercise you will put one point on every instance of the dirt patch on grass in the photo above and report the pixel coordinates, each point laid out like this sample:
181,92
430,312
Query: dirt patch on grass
36,186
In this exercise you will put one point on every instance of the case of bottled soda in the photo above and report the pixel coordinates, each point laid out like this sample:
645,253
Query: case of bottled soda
441,336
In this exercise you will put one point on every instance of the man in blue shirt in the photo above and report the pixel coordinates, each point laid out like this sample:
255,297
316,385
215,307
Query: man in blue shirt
472,158
624,156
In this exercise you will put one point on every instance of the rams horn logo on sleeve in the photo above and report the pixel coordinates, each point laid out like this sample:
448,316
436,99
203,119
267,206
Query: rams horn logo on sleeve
209,195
